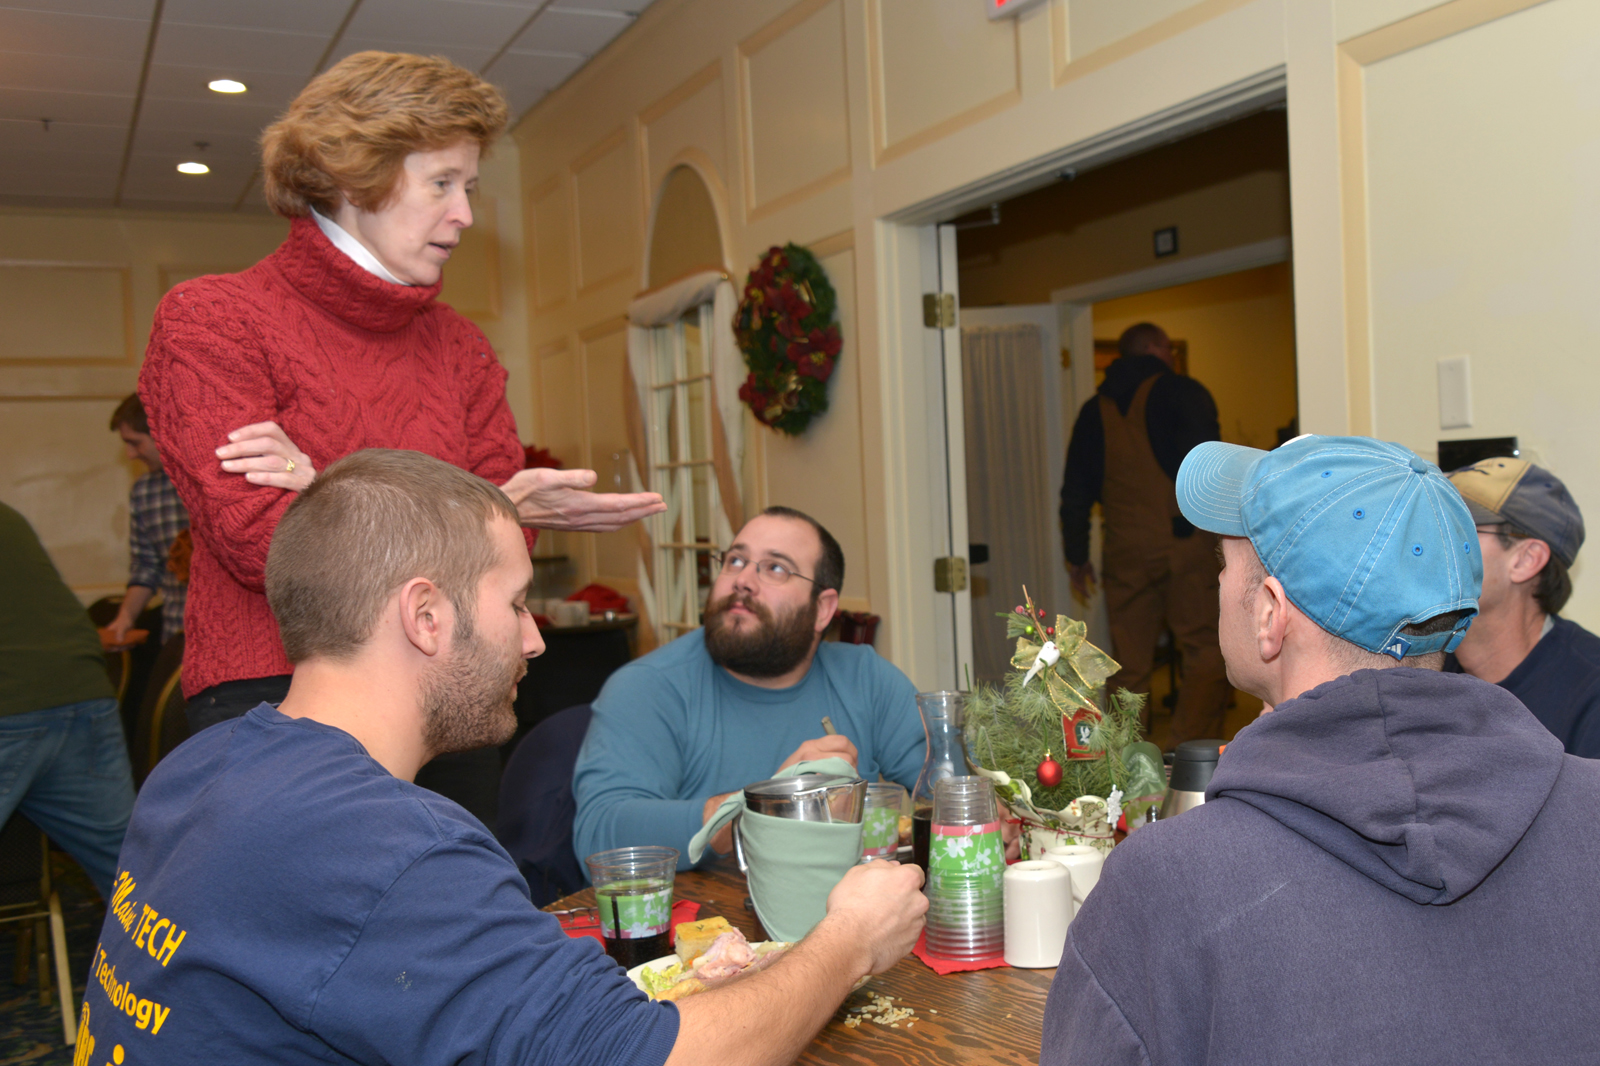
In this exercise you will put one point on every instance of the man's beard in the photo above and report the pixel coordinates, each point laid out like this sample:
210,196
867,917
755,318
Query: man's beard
769,649
467,699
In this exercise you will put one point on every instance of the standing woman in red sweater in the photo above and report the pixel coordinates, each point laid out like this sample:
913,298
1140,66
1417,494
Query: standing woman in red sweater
333,343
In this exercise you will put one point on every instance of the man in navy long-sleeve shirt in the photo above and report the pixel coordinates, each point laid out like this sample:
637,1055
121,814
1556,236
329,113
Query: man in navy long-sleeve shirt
1126,448
1530,530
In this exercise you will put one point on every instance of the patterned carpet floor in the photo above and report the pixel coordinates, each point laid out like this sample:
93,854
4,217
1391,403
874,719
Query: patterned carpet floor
29,1032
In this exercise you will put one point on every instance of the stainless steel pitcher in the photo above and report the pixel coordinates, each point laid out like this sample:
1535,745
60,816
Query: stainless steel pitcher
804,798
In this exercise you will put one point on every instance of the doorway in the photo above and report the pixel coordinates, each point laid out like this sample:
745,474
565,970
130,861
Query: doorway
1048,281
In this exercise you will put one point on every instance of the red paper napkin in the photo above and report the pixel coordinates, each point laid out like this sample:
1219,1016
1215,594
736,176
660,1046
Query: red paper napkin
943,966
588,922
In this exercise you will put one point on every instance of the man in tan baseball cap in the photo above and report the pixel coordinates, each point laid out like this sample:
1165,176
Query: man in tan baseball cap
1530,530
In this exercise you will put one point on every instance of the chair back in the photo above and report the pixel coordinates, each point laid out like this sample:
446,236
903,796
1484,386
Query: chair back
160,725
537,806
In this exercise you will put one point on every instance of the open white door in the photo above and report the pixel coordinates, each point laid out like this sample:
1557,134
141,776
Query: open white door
1052,587
960,595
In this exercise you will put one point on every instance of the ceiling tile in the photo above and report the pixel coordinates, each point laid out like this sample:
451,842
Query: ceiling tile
171,82
100,109
34,70
471,58
297,16
526,78
269,50
74,36
180,141
74,183
627,7
438,24
157,177
67,137
140,9
205,119
580,32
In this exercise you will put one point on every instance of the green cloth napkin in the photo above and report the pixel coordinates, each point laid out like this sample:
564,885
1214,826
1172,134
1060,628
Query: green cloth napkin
793,865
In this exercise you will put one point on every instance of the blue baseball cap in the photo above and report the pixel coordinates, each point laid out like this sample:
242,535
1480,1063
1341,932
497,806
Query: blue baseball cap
1366,537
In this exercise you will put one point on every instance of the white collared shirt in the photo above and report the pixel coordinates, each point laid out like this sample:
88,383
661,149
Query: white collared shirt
353,248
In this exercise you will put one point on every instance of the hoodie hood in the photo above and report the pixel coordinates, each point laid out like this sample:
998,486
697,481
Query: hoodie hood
1420,780
1126,374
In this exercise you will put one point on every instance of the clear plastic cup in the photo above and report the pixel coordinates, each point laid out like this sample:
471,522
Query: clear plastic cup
633,893
880,824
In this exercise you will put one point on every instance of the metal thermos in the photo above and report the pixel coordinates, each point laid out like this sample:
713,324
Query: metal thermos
1192,767
805,798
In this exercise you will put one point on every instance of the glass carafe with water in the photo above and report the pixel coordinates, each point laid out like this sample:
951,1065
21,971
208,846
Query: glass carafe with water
942,717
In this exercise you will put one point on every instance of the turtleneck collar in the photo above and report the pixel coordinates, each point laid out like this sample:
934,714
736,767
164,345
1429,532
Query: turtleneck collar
334,281
346,242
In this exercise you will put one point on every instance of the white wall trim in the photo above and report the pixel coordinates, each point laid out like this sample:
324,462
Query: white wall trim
1181,272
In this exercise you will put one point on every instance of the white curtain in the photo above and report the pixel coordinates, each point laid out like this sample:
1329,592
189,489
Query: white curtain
1002,370
664,307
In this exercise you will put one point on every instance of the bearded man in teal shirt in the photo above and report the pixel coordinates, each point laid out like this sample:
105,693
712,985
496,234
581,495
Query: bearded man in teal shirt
677,731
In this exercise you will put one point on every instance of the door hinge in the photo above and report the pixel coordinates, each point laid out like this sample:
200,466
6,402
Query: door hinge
939,310
950,574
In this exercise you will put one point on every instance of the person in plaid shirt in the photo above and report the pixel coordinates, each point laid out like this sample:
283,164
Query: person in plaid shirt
157,516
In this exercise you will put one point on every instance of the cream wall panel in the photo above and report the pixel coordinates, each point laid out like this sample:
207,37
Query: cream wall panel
604,356
796,113
63,466
690,118
66,312
70,482
820,472
1483,150
606,212
472,277
937,64
1093,24
494,288
550,226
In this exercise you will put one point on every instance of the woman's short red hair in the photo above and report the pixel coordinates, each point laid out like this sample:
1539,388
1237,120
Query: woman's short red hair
349,131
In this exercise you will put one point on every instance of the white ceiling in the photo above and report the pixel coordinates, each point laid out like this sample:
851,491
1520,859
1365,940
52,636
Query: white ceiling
123,82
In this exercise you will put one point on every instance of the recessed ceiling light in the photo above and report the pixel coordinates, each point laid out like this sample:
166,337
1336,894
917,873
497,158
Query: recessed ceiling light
193,168
227,85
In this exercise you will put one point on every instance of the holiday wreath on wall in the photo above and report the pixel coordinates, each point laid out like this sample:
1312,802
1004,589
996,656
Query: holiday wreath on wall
785,328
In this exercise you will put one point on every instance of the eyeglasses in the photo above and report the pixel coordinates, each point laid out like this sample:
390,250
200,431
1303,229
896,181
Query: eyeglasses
769,571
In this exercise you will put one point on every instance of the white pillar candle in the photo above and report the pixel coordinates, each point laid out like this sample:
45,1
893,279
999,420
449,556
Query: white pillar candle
1038,908
1084,862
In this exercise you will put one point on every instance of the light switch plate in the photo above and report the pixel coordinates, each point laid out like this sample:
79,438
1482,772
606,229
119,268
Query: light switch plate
1455,392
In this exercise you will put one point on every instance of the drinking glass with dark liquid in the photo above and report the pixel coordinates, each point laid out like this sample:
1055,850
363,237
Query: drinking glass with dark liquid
633,893
942,714
921,830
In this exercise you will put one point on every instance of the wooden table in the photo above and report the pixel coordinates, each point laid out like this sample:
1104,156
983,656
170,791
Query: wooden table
986,1016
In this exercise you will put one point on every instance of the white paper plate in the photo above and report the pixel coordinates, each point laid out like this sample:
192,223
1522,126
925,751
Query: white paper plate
667,960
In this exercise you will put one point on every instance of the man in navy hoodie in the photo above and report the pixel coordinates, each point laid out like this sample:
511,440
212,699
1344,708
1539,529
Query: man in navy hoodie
1396,864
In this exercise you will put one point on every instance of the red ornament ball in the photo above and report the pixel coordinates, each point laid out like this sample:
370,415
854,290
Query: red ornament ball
1021,609
1049,772
1050,630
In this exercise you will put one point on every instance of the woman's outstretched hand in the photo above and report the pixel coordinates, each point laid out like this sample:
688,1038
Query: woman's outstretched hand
560,499
265,455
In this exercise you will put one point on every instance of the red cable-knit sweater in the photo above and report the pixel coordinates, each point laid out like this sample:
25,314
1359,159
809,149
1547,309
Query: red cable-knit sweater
342,360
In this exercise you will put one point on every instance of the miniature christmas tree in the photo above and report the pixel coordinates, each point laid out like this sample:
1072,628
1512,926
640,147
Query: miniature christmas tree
1061,754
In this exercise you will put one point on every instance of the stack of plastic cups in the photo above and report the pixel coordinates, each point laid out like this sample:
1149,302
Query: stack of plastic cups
966,872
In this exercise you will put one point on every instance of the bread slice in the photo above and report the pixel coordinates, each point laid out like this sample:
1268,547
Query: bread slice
693,938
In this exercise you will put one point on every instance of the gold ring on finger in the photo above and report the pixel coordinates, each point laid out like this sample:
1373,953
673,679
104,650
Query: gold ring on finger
288,466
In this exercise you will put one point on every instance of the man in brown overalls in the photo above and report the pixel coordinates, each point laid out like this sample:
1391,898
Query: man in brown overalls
1126,448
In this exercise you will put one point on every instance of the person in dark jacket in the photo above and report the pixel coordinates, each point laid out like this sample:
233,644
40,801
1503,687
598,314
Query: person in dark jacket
1530,530
1159,571
1394,865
